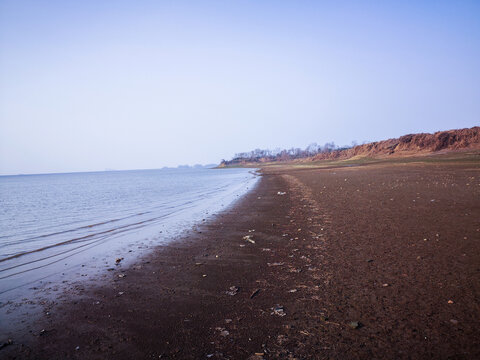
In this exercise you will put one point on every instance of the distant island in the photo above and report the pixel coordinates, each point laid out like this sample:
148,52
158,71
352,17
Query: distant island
196,166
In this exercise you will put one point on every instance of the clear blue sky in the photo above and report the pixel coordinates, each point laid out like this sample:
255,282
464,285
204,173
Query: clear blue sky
89,85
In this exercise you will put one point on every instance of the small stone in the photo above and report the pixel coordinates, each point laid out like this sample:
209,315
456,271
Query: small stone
354,325
233,290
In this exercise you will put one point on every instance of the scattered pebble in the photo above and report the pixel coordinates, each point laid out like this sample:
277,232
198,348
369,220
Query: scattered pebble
222,331
232,291
354,325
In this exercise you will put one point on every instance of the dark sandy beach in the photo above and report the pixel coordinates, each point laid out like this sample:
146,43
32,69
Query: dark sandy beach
372,262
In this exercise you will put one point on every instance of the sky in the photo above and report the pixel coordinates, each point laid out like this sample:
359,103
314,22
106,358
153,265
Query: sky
95,85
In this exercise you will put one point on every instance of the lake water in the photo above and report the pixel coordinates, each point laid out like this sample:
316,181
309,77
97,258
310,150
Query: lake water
55,223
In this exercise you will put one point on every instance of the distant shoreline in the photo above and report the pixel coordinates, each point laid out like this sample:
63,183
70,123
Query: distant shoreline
412,145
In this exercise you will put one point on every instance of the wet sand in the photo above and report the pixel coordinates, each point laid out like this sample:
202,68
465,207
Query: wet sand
378,261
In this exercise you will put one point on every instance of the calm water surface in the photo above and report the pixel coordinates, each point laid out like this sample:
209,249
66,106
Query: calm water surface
52,223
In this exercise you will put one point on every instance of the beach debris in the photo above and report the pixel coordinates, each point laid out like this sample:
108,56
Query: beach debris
253,230
77,348
323,317
121,275
242,245
6,343
292,291
228,321
266,249
222,331
450,301
385,285
204,275
281,193
281,339
118,260
354,325
120,293
255,293
370,260
233,290
278,310
276,264
249,239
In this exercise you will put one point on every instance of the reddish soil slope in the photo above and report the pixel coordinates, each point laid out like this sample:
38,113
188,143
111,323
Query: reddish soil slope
412,144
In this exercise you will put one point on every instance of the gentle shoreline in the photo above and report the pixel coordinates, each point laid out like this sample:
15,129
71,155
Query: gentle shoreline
348,264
